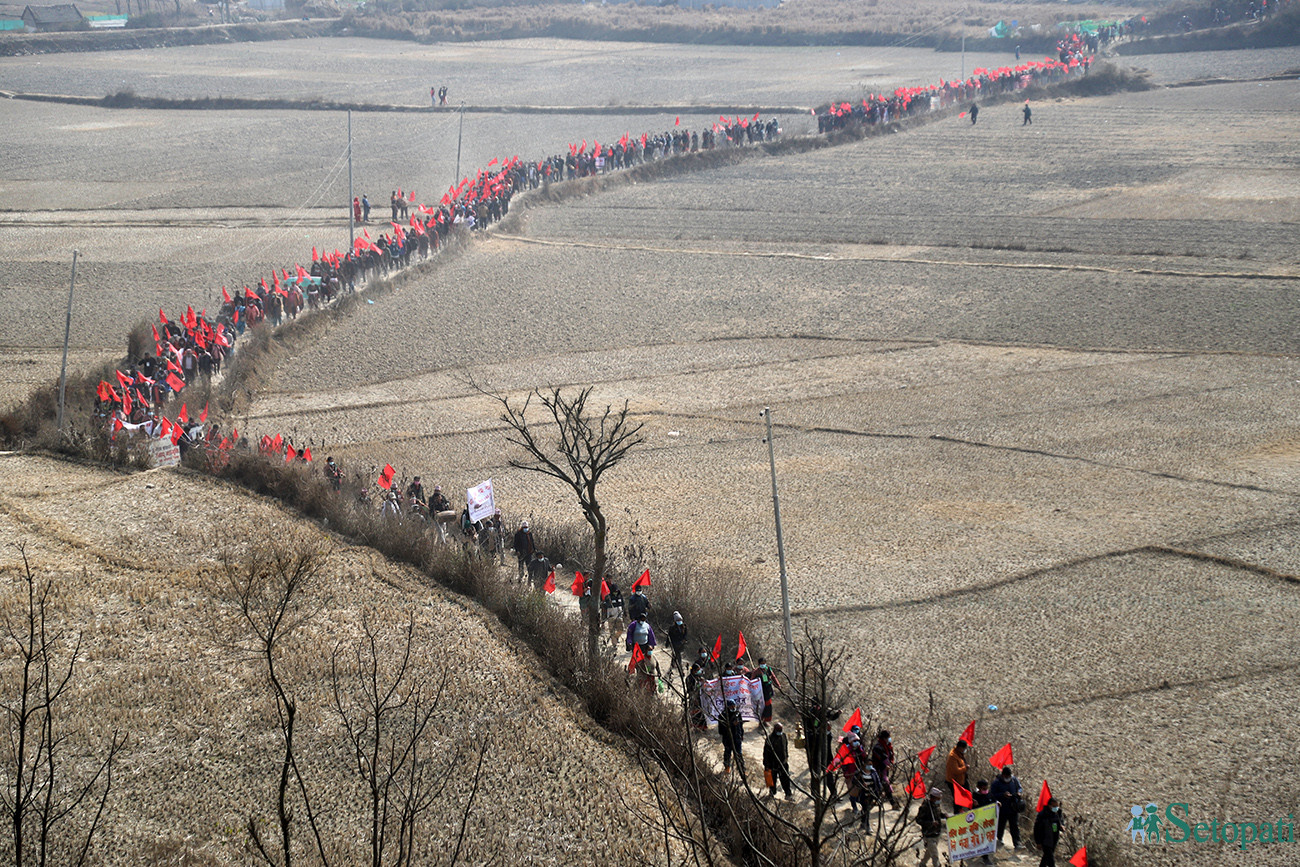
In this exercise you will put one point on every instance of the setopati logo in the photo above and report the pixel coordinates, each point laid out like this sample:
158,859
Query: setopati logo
1176,825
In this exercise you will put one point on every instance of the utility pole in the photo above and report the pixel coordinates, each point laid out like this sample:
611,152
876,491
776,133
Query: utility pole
460,135
780,549
352,227
963,58
67,332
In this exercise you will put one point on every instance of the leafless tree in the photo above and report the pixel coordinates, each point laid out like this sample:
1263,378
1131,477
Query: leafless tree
268,588
565,439
41,797
386,705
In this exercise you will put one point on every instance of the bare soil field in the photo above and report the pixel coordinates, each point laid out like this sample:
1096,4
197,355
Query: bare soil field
134,560
540,72
1035,386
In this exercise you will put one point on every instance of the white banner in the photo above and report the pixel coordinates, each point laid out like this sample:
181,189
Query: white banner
163,453
746,692
973,833
481,502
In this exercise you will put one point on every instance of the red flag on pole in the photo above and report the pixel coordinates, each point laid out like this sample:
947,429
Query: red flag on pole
1002,758
854,720
604,588
643,581
638,656
184,415
175,382
549,586
678,121
961,796
162,317
1080,858
717,650
164,427
290,454
225,296
740,651
278,443
385,479
924,758
306,454
576,588
969,734
203,416
1044,796
916,788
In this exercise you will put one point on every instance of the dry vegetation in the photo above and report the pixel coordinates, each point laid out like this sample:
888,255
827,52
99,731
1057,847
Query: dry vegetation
1035,438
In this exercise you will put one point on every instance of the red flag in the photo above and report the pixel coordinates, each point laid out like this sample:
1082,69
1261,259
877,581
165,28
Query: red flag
306,455
1044,796
678,121
122,379
290,453
961,796
604,588
156,338
637,658
549,586
385,479
162,317
576,589
175,382
164,427
184,416
103,390
314,255
969,734
234,435
717,650
493,162
855,720
117,425
643,581
740,651
1002,758
755,119
177,433
916,788
277,443
924,758
411,197
203,416
1080,858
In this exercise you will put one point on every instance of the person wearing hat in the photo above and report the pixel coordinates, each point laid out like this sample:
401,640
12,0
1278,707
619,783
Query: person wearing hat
333,474
1047,831
641,632
677,640
438,501
776,761
1006,792
524,548
930,817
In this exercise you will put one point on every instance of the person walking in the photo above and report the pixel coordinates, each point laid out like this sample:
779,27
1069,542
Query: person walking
776,761
1047,831
1006,792
677,640
882,760
637,603
524,547
974,112
1029,115
640,632
930,817
955,770
731,727
365,210
981,797
767,679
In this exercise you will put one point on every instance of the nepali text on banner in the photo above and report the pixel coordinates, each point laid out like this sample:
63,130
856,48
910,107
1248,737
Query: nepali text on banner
482,504
746,692
972,833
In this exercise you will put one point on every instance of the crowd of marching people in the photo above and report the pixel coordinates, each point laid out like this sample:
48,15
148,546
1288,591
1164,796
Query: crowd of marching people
1072,58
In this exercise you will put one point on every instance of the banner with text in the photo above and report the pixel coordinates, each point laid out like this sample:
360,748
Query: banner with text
481,502
746,692
973,833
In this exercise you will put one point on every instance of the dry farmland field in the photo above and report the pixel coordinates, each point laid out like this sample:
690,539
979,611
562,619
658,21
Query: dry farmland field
1035,387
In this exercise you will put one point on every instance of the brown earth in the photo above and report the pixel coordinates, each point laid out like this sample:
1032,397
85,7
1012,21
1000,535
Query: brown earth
1045,376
